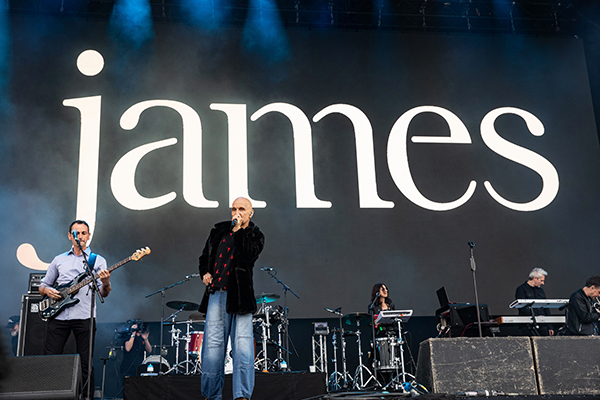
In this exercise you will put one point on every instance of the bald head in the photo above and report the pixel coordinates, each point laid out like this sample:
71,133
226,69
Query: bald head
241,211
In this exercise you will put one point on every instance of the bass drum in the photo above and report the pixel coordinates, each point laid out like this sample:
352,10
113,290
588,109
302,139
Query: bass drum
155,361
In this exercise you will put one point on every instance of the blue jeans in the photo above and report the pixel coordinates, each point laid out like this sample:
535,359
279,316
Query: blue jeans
220,326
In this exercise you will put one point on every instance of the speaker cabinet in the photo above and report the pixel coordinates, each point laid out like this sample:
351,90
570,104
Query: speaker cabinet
42,377
454,365
567,365
32,329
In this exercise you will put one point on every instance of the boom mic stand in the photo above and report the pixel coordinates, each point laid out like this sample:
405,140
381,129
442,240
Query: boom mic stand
473,268
95,291
374,341
286,288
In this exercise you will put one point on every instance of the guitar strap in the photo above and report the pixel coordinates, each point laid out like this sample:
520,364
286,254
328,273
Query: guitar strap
92,260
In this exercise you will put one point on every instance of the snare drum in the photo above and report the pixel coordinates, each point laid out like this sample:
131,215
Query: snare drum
196,343
388,352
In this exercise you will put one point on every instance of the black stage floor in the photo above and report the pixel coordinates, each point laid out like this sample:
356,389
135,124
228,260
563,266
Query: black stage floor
268,386
286,386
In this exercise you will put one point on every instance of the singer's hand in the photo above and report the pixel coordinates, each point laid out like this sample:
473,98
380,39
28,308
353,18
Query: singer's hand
207,279
238,222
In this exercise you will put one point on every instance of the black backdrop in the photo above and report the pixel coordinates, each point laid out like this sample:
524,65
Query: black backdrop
331,256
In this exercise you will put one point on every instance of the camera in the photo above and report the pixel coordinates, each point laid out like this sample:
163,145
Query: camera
136,325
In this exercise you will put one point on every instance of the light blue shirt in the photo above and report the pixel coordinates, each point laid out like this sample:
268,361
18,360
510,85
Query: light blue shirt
63,269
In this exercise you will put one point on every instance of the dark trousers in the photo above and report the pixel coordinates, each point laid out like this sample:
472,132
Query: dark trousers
57,333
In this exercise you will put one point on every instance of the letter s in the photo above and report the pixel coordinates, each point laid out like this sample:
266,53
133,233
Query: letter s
521,156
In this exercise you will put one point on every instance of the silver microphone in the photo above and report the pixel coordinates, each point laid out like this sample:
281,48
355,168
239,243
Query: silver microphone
192,276
267,269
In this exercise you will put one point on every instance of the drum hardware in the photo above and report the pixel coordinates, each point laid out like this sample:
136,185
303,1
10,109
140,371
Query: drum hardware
264,298
399,317
266,319
149,362
355,320
333,383
344,376
162,292
285,323
187,366
263,318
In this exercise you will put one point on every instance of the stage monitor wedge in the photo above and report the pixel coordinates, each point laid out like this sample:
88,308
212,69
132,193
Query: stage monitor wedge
42,377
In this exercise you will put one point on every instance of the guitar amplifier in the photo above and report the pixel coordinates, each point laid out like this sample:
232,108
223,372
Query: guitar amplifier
35,280
32,329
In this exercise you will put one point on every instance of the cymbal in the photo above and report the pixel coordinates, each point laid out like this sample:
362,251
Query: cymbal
356,319
266,297
197,317
185,305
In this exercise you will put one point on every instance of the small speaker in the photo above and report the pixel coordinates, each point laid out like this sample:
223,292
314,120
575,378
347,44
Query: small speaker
42,377
453,365
567,365
32,329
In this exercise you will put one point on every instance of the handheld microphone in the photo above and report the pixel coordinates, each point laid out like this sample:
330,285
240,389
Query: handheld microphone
266,269
234,222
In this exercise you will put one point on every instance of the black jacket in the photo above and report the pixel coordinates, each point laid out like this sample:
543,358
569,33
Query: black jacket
581,315
525,291
249,243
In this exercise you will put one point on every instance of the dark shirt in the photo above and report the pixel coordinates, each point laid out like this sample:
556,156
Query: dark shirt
581,315
377,307
525,291
223,263
133,357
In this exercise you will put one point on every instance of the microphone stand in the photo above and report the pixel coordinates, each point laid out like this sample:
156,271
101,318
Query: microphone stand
285,315
95,291
473,268
162,313
374,341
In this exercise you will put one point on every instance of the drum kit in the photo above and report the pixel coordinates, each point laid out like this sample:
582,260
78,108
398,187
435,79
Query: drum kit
190,341
388,357
264,319
187,341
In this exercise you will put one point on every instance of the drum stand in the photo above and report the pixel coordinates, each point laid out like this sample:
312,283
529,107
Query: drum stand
333,383
361,384
261,357
191,367
400,378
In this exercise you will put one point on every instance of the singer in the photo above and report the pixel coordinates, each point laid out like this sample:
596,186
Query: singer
62,270
226,266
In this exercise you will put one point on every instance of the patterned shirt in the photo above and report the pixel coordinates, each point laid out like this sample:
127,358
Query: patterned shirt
222,265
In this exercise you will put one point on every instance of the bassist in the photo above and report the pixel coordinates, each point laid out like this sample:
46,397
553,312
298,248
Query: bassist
62,270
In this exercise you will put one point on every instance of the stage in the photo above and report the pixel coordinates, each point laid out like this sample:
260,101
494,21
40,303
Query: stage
271,386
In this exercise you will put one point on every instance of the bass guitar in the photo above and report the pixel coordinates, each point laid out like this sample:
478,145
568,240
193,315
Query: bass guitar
50,308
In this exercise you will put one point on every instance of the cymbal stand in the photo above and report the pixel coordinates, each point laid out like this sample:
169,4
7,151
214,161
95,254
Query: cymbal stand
361,384
345,373
285,321
162,312
333,383
264,360
396,381
175,342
